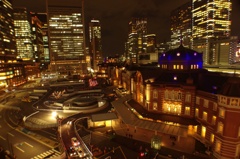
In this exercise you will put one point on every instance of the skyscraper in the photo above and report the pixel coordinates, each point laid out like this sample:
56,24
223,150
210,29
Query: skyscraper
210,21
95,43
23,34
137,31
181,25
37,38
44,57
66,37
7,33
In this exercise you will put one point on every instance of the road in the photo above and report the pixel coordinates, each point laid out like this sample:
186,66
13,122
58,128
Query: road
12,138
20,144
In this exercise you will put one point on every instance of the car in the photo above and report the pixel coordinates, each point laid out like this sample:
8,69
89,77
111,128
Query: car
69,123
75,141
72,152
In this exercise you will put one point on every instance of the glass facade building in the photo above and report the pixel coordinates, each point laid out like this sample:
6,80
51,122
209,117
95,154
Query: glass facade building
23,34
38,39
210,21
95,42
181,25
66,38
7,33
137,31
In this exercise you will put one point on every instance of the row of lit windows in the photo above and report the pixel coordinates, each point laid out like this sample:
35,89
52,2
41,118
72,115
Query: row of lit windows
173,95
205,115
178,67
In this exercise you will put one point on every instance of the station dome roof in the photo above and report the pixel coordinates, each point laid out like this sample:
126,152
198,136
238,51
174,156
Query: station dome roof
181,54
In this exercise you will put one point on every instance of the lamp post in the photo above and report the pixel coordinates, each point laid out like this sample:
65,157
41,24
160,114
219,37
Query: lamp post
156,142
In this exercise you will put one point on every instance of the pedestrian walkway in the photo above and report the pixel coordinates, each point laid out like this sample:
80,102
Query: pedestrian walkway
48,154
137,129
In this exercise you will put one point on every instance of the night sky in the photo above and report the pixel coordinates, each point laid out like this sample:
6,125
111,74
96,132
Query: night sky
114,16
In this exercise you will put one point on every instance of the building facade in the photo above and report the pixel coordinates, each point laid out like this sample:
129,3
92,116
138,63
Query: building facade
135,42
23,34
7,34
66,37
37,39
95,43
181,26
211,20
181,87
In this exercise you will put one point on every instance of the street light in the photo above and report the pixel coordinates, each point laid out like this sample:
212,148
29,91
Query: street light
156,142
54,115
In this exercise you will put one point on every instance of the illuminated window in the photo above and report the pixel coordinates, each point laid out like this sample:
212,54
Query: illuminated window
220,127
221,112
212,138
195,128
196,112
187,110
214,120
203,132
205,116
174,66
205,103
188,97
181,66
172,108
218,146
155,106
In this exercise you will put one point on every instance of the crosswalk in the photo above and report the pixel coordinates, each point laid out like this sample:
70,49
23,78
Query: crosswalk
48,154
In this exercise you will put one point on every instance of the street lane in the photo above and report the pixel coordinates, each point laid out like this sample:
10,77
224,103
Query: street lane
17,141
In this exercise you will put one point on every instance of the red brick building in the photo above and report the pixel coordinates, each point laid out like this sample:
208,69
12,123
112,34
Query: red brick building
181,87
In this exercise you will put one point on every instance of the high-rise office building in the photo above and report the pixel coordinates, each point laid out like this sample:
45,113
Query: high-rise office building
137,31
210,21
149,43
11,72
23,34
7,33
37,39
181,26
95,43
149,54
66,37
43,56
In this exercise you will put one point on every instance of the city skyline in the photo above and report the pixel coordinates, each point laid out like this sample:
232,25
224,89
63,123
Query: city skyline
114,20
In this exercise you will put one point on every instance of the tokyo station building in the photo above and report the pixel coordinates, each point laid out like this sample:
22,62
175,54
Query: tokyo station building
181,87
